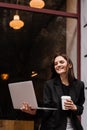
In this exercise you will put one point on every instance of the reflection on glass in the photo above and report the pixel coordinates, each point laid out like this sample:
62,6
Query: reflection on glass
31,49
60,5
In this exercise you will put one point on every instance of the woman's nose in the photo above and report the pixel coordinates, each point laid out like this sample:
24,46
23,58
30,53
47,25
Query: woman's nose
58,64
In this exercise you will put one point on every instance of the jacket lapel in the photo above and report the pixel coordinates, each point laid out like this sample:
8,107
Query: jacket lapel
73,92
58,87
59,91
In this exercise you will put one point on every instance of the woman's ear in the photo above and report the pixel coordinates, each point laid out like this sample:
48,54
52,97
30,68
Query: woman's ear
70,66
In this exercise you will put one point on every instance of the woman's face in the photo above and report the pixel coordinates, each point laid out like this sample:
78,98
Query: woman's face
60,65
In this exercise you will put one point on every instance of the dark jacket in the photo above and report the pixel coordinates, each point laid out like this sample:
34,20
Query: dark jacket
56,119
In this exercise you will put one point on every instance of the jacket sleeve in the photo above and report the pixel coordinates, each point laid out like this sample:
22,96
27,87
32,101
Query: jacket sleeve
81,100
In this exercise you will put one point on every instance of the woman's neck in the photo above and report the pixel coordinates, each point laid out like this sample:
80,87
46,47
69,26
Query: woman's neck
64,79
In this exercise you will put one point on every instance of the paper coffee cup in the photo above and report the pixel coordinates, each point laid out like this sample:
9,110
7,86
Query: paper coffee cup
63,99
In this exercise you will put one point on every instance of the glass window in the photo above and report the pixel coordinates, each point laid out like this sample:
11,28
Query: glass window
26,53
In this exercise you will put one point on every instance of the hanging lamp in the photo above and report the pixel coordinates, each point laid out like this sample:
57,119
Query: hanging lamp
37,3
16,23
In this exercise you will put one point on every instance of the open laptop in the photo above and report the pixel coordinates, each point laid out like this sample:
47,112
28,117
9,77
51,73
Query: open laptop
24,92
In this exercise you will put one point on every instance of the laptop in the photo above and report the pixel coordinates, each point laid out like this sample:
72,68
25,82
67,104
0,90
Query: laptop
21,92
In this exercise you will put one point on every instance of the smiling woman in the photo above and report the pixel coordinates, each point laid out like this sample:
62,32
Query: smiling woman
31,48
60,65
63,83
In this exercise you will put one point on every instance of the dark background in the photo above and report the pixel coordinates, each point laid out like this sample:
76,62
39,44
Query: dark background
29,49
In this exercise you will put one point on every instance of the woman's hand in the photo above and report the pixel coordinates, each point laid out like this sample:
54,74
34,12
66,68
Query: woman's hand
69,105
28,109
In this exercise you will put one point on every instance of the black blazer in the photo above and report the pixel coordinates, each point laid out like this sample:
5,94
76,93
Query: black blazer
56,119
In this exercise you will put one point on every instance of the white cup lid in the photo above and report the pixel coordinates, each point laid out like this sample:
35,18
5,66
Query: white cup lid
65,97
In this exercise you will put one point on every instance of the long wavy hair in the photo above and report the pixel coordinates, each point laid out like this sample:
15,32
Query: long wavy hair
71,75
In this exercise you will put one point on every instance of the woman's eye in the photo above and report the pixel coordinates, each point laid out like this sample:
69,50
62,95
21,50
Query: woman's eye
61,62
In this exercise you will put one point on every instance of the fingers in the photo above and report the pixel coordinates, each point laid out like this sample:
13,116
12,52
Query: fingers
25,106
28,109
69,105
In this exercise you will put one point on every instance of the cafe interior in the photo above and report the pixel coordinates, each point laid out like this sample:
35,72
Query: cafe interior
30,34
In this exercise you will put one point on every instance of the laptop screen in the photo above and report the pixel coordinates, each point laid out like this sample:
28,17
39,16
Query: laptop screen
22,92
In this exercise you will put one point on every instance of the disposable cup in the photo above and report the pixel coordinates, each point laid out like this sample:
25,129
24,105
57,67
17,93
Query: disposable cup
63,99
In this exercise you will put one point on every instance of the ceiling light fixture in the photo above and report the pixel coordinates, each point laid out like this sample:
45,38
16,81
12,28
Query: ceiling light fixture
16,23
37,3
4,76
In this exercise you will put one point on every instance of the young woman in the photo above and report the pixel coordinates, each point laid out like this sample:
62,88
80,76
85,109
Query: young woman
63,82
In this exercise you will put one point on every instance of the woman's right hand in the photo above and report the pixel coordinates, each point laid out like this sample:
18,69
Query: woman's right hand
28,109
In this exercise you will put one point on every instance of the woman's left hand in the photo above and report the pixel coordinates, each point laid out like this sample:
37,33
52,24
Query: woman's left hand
69,105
